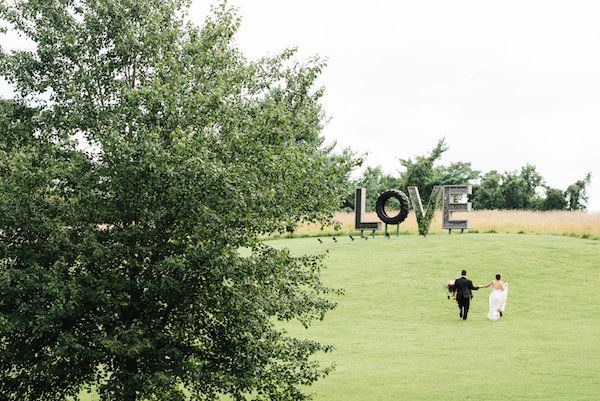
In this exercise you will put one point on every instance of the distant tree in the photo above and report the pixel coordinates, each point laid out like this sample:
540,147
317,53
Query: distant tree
514,192
488,194
554,200
455,173
519,189
371,180
576,193
423,173
533,182
511,190
420,172
134,263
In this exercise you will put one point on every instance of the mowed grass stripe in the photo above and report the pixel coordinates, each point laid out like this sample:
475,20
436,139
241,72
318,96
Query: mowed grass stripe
398,337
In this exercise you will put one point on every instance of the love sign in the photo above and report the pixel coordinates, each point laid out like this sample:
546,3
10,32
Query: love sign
454,199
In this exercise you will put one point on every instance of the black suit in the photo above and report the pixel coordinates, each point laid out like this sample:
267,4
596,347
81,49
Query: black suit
463,287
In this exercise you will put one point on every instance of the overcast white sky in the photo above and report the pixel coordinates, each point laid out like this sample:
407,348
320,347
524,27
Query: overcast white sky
507,83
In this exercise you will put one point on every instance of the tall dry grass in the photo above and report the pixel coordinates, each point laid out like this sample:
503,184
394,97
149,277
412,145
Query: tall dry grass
573,223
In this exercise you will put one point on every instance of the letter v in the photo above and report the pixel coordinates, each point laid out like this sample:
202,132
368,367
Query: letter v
424,217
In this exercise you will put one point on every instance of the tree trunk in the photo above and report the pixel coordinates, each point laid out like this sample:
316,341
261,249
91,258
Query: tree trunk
129,385
129,395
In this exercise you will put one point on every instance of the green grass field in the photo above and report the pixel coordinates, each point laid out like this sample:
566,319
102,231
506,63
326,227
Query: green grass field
398,337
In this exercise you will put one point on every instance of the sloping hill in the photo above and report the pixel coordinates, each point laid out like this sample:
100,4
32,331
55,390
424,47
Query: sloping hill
398,337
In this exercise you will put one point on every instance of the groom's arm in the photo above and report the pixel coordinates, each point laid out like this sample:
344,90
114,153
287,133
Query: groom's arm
473,287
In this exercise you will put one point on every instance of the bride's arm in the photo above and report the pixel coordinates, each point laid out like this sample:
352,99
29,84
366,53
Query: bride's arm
486,286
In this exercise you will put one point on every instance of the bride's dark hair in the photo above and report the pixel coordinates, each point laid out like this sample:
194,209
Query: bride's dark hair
497,276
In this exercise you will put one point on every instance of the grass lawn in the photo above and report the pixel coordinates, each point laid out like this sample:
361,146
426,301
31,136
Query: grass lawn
398,337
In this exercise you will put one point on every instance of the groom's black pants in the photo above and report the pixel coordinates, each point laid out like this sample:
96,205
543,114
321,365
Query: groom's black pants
463,304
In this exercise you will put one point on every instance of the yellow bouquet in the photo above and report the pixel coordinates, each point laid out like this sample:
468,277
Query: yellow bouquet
450,288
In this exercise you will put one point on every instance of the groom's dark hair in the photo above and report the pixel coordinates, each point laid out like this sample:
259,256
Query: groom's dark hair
463,273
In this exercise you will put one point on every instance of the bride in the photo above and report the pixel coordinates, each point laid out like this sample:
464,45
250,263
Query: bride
497,297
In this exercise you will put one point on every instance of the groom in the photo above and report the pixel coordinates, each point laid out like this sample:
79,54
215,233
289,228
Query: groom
463,287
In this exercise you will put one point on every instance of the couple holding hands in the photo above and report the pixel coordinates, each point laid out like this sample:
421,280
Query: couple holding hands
461,287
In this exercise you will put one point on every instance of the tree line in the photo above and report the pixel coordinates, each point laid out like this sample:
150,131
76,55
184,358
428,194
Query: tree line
520,189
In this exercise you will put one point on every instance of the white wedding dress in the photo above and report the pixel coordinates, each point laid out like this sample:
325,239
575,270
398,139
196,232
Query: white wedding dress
497,302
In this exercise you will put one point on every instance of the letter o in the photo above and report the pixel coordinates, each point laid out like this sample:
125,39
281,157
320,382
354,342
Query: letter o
404,206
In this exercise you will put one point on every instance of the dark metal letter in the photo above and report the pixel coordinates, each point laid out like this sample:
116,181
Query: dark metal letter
450,206
360,196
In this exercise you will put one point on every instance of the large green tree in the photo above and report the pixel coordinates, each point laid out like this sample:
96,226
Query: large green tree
140,165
